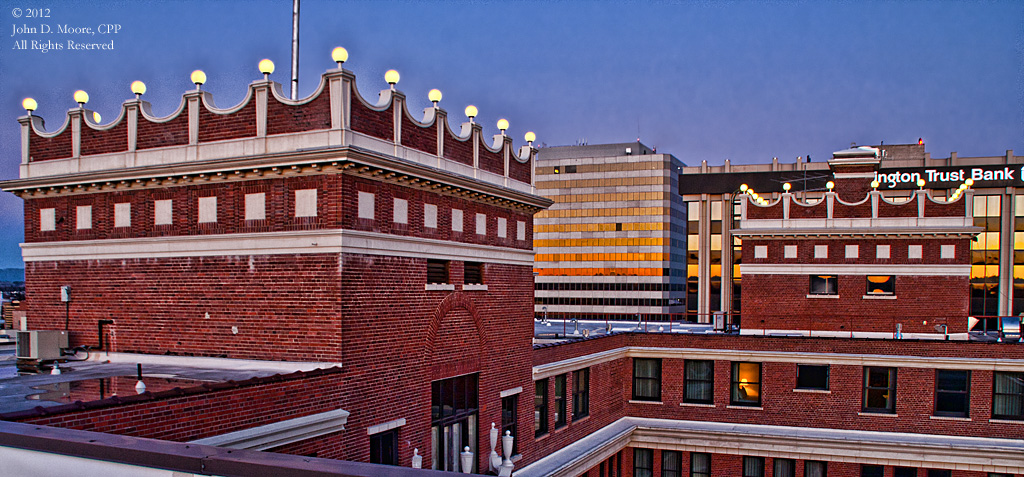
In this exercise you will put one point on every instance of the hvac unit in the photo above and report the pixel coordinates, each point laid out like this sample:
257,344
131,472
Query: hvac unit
41,345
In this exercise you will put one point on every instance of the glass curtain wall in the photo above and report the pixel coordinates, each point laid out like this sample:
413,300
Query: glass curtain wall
985,257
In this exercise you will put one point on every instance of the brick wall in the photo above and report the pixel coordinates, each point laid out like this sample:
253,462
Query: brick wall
216,126
44,148
492,161
520,171
458,150
283,118
96,141
379,124
173,132
417,137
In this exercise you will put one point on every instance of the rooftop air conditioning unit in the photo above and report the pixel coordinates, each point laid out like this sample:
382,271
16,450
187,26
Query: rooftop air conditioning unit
41,345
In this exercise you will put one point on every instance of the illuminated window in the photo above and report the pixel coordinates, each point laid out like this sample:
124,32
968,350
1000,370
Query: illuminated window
824,285
746,384
879,390
881,285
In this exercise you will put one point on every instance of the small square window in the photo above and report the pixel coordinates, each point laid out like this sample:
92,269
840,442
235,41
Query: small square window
437,271
83,217
821,251
123,214
481,224
824,285
401,211
914,252
366,210
852,251
882,251
761,251
430,216
305,203
255,206
473,273
456,220
789,251
881,285
208,210
162,211
812,376
47,220
947,251
520,230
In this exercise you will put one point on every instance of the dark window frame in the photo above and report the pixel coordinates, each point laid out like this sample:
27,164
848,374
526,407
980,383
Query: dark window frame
1019,396
510,419
471,271
810,463
694,456
708,384
438,270
736,393
777,472
890,387
560,402
904,472
384,447
808,382
580,393
670,459
655,396
753,466
886,288
827,285
639,471
540,409
867,470
966,393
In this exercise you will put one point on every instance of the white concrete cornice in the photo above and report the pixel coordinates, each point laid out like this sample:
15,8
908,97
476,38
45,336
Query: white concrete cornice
273,243
848,359
932,270
281,433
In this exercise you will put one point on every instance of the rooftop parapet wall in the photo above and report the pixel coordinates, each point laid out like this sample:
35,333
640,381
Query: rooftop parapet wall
875,206
267,122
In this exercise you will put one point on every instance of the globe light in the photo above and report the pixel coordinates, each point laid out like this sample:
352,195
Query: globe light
434,96
874,184
786,187
266,67
471,112
920,183
530,137
392,77
96,117
502,125
339,55
139,88
969,182
81,97
829,185
743,187
29,104
198,78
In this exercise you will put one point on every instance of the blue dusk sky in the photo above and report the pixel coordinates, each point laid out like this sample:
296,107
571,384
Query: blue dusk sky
745,81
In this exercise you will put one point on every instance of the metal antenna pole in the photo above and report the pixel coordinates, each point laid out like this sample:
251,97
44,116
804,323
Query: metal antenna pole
295,49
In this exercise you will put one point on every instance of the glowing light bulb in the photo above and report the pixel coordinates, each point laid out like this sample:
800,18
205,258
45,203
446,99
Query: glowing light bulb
139,88
81,97
29,104
339,55
266,67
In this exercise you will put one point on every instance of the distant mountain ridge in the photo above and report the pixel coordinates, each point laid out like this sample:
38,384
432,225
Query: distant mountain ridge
12,274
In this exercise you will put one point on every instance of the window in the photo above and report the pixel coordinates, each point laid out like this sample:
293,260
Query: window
123,214
882,251
914,251
671,463
570,169
453,420
881,285
784,468
753,467
699,381
646,379
560,409
366,205
761,251
83,216
580,393
952,392
430,216
162,211
502,227
904,472
643,462
1008,396
789,251
700,464
872,471
879,389
473,273
510,419
520,230
208,210
947,251
824,285
852,251
305,203
481,224
47,220
812,376
746,384
437,271
456,220
815,468
540,407
821,251
384,448
939,473
400,212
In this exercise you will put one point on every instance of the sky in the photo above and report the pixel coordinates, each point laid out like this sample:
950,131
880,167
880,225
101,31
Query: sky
745,81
